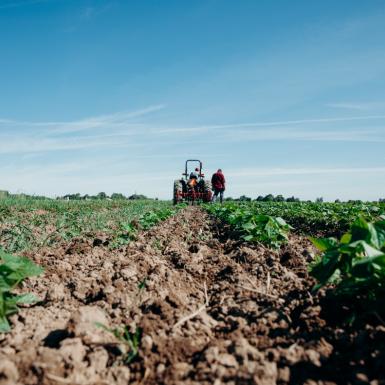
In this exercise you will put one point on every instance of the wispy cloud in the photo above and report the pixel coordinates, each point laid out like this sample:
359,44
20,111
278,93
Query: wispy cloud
361,106
107,121
273,123
327,135
89,12
15,4
264,172
125,129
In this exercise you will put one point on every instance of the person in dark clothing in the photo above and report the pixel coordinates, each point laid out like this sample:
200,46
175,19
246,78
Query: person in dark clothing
194,179
218,182
195,174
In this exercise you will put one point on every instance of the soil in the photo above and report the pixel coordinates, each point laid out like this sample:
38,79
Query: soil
210,309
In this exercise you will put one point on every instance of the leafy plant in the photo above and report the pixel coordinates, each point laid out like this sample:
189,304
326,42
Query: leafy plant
355,264
151,218
253,227
271,231
127,233
130,341
13,270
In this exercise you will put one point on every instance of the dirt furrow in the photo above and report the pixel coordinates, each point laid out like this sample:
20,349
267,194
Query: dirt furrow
211,310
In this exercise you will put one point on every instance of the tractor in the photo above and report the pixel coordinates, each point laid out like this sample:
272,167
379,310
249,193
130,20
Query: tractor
192,190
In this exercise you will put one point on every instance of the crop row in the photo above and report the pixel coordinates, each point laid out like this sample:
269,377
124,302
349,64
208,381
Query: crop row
27,224
352,267
311,218
121,221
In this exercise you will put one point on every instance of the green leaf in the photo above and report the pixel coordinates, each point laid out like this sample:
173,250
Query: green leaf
4,325
26,299
324,244
380,228
326,267
346,238
248,226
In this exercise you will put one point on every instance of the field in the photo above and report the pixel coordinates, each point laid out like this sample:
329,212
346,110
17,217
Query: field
140,292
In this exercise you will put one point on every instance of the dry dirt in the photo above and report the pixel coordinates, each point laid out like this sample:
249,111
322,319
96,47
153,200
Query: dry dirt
212,310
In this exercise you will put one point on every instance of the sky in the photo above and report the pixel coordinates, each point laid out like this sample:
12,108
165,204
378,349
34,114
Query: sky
287,97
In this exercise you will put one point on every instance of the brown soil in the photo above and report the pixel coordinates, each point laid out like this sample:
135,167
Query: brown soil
212,311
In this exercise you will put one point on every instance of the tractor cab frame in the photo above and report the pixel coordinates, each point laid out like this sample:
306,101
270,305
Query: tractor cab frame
187,190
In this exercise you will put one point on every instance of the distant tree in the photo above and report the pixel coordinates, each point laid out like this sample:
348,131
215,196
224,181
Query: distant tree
337,201
244,198
260,198
116,196
319,200
229,199
292,199
268,198
101,195
137,196
279,198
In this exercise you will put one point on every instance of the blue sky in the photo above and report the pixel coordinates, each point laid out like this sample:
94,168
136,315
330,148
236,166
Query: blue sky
287,97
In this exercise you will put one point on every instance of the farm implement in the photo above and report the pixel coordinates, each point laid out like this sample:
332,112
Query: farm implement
192,187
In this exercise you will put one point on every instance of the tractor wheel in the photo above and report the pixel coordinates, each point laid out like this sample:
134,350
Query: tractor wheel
207,191
177,192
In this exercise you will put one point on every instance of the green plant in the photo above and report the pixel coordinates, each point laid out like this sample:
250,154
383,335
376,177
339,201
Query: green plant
13,270
271,231
130,341
355,264
27,223
142,284
253,227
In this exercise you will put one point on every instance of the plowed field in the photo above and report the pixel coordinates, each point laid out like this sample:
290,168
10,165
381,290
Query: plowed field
211,310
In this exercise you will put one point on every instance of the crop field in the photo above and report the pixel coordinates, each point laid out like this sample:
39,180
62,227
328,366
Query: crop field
143,292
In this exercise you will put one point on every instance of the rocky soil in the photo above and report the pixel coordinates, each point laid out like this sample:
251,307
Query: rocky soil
209,309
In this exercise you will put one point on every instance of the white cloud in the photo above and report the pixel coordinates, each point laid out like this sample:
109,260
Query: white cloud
15,4
122,130
361,106
101,121
263,172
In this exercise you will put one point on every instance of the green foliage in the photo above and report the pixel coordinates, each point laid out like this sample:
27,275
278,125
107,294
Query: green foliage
13,270
130,341
129,231
268,230
355,264
151,218
315,218
30,223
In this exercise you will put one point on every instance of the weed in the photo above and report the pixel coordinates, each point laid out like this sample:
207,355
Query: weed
130,341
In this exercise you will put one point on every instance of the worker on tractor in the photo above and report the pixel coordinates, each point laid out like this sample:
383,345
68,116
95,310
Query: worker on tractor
218,182
194,176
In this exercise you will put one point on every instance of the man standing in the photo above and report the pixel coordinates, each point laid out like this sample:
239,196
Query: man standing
218,182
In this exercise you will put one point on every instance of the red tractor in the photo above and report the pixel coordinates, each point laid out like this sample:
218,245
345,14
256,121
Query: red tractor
192,187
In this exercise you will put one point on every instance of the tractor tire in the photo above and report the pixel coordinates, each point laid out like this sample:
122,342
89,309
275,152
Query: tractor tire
178,189
207,191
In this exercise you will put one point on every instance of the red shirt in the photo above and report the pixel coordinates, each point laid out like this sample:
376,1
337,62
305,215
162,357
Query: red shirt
218,180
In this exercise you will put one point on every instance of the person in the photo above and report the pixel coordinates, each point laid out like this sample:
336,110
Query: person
194,174
193,179
218,182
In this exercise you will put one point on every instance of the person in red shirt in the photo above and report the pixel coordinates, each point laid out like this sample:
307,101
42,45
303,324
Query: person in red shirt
218,182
